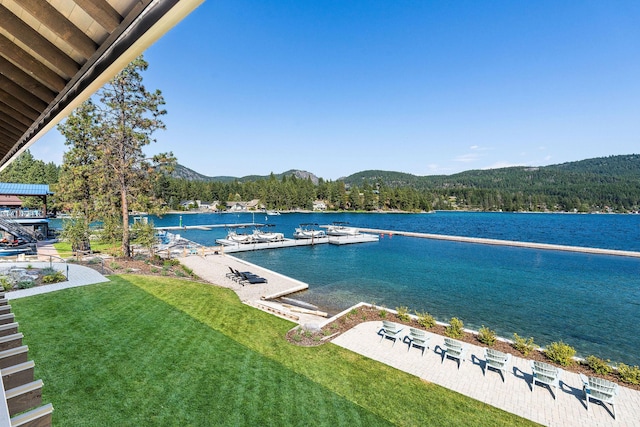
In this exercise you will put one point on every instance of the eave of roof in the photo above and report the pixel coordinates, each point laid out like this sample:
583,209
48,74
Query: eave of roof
28,107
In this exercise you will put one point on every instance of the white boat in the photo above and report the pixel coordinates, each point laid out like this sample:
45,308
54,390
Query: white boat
264,236
306,231
341,229
234,236
272,213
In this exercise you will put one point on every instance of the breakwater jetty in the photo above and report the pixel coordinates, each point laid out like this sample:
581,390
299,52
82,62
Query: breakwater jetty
497,242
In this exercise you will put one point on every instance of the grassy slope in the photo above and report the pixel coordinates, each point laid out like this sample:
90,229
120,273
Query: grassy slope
150,351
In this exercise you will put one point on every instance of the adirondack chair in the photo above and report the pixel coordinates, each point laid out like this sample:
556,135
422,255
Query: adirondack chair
417,338
544,373
390,330
455,350
599,389
494,359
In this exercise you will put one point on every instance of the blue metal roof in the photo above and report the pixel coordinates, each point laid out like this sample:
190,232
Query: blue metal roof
13,189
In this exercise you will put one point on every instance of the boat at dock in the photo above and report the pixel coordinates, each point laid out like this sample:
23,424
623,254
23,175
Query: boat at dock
308,231
341,228
262,235
239,237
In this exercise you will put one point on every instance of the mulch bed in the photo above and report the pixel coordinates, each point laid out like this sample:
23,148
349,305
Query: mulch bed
368,314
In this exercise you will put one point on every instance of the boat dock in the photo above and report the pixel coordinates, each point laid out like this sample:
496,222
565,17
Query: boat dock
530,245
230,246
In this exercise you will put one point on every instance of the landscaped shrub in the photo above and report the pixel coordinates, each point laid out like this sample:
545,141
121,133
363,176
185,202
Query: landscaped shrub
170,263
25,284
560,353
403,314
524,346
426,320
48,270
382,313
6,284
629,374
598,365
54,278
487,336
455,328
115,266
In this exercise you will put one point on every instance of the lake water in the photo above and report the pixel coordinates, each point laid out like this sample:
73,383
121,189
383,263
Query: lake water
591,302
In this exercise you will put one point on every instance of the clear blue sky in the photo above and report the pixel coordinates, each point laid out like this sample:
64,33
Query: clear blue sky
424,87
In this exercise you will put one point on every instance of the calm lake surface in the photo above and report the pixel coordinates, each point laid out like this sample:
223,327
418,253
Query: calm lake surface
591,302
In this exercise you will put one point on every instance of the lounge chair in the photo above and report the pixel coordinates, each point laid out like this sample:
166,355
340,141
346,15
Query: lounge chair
251,278
599,389
544,373
417,338
455,350
494,359
390,330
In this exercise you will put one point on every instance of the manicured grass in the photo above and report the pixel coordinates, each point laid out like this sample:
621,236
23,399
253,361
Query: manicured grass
64,248
155,351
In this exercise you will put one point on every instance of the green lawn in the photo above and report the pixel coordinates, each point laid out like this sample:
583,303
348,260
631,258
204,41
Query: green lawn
159,351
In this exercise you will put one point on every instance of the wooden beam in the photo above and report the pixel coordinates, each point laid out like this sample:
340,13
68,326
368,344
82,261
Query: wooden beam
17,375
60,25
11,126
25,96
102,12
38,43
21,118
8,329
24,80
11,341
13,102
6,318
14,356
31,65
24,397
9,131
39,417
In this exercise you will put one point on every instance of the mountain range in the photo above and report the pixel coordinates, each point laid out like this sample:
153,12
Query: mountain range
620,169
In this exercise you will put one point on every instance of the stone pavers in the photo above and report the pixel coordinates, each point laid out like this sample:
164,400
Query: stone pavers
514,395
78,276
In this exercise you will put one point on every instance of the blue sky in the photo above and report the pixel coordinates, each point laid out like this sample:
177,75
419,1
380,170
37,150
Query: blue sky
424,87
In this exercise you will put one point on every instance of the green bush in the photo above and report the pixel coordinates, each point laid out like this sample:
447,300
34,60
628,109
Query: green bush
403,314
598,365
382,313
426,320
6,283
25,284
48,270
54,278
115,266
560,353
629,374
455,328
487,336
524,346
170,262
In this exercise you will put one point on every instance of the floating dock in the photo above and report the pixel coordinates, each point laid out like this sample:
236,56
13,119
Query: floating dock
230,246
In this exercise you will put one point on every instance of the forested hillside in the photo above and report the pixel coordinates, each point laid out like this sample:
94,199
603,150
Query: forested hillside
600,184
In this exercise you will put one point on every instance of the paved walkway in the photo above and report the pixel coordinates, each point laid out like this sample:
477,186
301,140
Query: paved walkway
78,275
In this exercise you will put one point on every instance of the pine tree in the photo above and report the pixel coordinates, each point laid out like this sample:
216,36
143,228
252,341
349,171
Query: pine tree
107,168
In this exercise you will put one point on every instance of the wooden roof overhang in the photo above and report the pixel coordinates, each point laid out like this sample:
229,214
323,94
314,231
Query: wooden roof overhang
54,54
